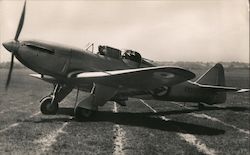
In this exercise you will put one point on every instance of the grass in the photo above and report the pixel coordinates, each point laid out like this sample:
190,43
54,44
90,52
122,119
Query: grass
145,132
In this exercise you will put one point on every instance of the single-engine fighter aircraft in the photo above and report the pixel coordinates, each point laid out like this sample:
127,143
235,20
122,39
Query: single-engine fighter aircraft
110,75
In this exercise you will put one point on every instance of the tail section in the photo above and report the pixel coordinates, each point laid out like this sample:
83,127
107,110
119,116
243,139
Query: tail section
214,82
214,76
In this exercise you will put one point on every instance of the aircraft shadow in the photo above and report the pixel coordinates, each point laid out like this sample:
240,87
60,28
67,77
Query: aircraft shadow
232,108
147,120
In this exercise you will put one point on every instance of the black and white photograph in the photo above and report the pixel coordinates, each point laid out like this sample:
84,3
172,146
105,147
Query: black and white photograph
124,77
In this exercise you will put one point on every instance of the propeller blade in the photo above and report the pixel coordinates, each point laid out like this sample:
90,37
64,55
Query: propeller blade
10,71
20,25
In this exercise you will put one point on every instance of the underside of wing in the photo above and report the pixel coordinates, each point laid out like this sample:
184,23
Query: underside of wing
139,78
82,86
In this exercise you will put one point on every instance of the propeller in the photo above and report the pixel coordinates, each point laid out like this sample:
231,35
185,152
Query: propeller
20,25
10,71
19,29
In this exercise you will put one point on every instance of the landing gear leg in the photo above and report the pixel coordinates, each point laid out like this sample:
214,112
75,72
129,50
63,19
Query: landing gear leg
49,104
86,108
99,95
81,112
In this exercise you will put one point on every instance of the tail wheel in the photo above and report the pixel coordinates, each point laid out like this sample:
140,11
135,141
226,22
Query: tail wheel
82,113
47,107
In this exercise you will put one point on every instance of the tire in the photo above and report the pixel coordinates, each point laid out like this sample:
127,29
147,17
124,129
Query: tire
47,108
82,113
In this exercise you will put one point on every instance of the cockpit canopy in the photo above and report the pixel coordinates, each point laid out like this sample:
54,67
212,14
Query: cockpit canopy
109,51
132,56
129,56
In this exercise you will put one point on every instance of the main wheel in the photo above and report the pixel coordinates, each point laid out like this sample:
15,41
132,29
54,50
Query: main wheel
82,113
48,108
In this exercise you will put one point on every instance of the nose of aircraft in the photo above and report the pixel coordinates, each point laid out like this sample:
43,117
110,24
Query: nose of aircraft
7,46
11,46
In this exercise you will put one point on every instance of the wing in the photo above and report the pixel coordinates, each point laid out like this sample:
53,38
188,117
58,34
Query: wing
139,78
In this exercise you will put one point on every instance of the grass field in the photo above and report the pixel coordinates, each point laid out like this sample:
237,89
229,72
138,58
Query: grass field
142,127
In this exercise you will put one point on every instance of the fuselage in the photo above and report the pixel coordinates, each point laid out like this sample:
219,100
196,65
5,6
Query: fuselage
62,62
189,92
59,60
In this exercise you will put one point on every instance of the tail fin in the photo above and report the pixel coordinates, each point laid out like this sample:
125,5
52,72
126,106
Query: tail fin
214,76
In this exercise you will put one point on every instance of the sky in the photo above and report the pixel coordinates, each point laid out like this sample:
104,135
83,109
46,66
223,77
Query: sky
166,30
